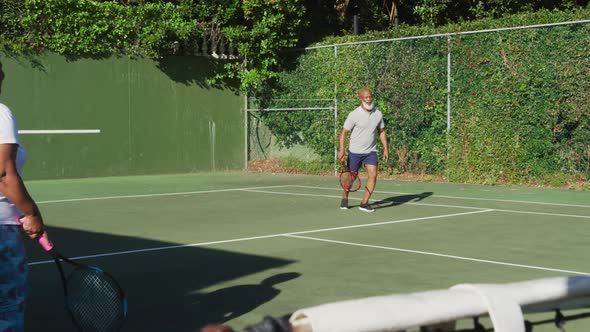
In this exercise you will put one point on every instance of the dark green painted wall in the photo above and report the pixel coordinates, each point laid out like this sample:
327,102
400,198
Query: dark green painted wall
154,117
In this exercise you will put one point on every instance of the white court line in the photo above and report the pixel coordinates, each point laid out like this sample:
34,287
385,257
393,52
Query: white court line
438,255
429,204
255,189
544,213
265,236
162,248
358,199
154,195
459,197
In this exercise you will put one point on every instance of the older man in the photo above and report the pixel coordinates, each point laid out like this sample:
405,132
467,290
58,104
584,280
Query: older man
365,123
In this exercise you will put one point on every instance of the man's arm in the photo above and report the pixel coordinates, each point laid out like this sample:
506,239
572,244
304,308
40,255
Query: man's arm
342,143
12,186
383,139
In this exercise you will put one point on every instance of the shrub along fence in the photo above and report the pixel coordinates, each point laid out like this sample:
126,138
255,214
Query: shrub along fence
492,106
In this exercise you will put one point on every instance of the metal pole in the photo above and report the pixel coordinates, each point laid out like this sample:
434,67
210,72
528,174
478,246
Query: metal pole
335,113
335,66
336,142
449,84
448,103
246,132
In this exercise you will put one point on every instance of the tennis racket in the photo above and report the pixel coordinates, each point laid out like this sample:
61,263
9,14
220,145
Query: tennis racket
94,300
349,181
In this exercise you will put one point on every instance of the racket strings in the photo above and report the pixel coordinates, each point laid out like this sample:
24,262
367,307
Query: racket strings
95,301
346,180
349,181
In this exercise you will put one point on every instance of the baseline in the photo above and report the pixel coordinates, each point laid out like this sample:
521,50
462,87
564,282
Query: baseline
430,204
459,197
154,195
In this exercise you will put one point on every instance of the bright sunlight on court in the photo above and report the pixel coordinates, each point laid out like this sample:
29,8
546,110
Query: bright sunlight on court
234,247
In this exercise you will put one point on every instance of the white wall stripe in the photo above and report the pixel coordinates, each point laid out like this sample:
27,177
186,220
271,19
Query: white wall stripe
61,131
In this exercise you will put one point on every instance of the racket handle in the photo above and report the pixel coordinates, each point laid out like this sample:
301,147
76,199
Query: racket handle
43,239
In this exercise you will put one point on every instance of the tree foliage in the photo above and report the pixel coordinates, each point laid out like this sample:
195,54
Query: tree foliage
335,17
546,117
259,29
266,29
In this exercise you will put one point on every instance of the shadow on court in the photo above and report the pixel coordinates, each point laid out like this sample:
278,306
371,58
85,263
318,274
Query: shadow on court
399,200
228,303
162,286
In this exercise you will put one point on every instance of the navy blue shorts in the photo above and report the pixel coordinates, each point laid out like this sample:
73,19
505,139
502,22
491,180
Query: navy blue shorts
355,160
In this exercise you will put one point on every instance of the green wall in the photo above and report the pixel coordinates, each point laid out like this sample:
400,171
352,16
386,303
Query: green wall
154,117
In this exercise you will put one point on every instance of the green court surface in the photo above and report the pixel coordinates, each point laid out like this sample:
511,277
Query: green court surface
234,247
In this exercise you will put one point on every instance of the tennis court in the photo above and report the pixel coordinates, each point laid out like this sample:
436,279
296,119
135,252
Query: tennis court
233,247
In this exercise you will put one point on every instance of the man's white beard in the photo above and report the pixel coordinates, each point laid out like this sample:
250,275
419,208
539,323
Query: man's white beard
367,106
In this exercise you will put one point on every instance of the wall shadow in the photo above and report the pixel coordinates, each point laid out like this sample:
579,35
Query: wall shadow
185,69
198,70
31,59
399,200
162,286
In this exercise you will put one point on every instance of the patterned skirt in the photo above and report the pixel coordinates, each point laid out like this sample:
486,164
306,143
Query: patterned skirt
13,279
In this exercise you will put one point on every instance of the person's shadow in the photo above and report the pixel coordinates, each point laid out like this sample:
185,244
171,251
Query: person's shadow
228,303
399,200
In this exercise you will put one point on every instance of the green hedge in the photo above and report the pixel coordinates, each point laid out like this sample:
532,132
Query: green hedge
257,29
520,99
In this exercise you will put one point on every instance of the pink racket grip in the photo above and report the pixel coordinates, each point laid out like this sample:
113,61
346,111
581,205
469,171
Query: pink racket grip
43,239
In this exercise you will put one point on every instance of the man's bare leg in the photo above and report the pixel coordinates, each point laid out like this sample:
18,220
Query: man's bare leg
371,182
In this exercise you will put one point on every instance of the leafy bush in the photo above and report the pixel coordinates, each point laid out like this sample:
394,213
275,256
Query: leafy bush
520,99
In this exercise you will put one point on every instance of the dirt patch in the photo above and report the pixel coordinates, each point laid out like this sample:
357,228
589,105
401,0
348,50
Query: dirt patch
266,166
273,166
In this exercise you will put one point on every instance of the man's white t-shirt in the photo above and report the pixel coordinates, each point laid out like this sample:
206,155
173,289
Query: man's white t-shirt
9,135
363,127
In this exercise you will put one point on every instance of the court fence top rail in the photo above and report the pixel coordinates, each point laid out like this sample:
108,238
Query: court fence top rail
449,34
449,79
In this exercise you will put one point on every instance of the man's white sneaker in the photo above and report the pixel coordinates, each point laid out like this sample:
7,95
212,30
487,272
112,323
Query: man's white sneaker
366,208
